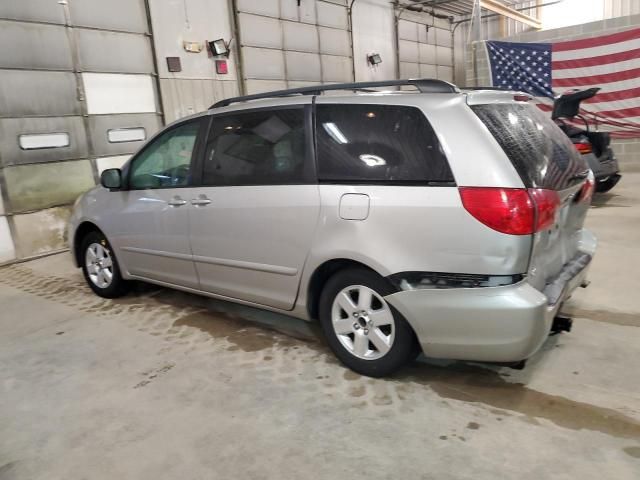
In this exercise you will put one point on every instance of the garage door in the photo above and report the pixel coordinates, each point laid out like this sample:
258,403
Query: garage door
73,100
288,44
425,51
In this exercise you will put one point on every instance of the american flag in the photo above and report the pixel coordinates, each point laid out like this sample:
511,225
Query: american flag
611,62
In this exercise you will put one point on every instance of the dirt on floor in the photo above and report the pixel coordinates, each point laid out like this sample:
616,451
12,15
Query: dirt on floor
162,384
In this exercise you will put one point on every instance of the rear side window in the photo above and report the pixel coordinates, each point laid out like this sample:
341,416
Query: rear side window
378,143
541,153
266,147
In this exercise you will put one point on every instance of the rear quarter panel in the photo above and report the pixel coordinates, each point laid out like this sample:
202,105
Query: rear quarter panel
414,229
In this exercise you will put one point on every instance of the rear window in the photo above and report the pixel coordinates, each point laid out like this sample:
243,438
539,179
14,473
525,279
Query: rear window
541,153
378,144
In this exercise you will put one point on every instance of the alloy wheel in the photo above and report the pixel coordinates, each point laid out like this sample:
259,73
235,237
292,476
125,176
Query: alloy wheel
363,322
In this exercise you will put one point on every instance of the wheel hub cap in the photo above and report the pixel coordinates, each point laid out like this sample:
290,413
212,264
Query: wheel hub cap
363,322
99,265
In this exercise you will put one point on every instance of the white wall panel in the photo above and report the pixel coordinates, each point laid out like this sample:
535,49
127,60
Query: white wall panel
296,84
265,64
332,15
119,93
427,53
300,36
114,52
374,32
126,15
262,7
7,249
443,56
409,70
434,55
336,69
288,40
32,92
334,42
41,232
306,11
186,96
207,20
34,10
443,37
445,73
303,66
408,30
289,10
117,161
34,46
259,86
427,71
425,34
408,51
260,31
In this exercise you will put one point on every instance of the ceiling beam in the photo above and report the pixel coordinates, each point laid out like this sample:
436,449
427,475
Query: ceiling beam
502,9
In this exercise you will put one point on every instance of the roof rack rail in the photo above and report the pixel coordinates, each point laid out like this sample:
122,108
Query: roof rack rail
424,85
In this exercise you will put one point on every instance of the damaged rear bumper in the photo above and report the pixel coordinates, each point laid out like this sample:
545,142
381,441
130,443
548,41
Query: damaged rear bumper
491,324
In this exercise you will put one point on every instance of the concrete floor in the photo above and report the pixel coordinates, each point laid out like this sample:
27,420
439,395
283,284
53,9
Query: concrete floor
163,385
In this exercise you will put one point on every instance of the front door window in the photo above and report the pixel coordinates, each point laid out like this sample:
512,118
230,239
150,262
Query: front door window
166,163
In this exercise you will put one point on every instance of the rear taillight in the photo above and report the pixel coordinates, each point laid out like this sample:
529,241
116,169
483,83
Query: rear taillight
547,203
586,192
515,211
583,148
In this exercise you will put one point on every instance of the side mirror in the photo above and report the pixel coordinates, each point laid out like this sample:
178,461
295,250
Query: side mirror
111,178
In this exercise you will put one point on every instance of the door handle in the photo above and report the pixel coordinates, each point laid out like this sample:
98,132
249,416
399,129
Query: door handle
200,201
176,202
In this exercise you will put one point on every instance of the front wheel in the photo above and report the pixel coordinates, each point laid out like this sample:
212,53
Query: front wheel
100,267
365,332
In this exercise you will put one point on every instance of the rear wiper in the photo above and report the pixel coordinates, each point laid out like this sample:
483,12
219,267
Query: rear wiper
579,176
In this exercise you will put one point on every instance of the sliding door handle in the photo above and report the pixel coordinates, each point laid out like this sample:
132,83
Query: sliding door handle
177,202
200,201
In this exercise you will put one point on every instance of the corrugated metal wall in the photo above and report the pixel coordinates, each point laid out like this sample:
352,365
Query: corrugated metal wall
620,8
196,85
287,44
77,94
425,48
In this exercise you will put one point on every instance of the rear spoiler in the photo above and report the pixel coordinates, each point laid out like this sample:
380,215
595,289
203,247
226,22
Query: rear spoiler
568,104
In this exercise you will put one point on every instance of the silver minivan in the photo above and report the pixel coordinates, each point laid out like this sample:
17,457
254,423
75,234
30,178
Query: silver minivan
437,220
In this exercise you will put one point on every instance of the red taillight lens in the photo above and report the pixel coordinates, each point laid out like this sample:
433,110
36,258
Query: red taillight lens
515,211
583,148
587,190
547,203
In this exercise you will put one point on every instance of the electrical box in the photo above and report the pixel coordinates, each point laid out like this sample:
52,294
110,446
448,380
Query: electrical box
222,67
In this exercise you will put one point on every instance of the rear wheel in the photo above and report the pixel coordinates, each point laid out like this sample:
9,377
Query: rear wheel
606,185
100,267
364,331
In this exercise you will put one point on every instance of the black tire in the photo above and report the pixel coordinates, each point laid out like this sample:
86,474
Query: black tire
608,184
118,286
404,347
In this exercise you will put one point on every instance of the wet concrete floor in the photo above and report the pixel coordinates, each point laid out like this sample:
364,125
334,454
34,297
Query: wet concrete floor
162,384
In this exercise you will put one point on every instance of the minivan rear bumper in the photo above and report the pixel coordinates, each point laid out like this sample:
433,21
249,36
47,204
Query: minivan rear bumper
491,324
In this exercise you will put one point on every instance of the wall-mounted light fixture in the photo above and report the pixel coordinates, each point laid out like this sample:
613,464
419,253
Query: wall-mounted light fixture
219,47
374,59
192,47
